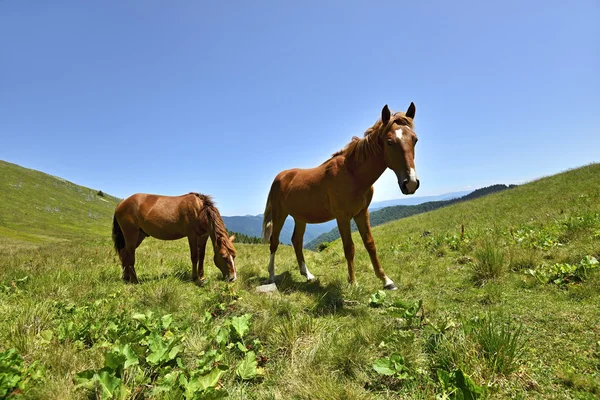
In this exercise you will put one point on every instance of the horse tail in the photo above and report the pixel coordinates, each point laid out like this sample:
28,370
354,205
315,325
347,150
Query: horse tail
267,229
117,236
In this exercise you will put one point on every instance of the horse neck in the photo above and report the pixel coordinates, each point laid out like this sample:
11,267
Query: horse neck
368,170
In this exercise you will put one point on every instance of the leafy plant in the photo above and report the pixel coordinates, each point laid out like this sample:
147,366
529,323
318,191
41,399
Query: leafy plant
150,357
378,299
535,239
248,368
14,285
393,365
456,385
406,310
14,376
564,273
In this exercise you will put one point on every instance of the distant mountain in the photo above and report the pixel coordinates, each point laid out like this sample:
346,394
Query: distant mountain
387,214
413,201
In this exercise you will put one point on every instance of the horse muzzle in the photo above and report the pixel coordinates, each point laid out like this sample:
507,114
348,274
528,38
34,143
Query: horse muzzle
409,186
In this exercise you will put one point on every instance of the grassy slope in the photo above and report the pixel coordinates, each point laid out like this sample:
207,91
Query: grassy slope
37,207
322,338
393,213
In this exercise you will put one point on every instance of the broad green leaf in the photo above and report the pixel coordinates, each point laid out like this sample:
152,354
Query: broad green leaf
139,317
85,379
247,368
469,389
211,379
46,335
166,321
377,299
114,360
174,352
384,366
241,347
221,336
241,324
108,383
214,394
130,357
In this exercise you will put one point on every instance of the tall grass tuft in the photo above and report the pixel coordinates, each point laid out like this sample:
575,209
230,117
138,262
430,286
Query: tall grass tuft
489,263
501,344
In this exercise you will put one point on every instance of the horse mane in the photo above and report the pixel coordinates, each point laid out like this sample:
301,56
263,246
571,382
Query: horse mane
215,221
361,148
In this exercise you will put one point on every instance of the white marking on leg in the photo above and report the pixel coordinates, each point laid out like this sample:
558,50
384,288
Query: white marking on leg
305,272
272,268
387,281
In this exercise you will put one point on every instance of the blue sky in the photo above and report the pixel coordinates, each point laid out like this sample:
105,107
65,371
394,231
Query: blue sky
218,97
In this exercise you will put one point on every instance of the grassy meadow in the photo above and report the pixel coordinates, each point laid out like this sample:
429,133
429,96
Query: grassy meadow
508,309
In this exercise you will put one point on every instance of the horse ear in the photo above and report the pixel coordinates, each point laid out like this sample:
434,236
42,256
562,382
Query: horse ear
231,238
410,113
385,115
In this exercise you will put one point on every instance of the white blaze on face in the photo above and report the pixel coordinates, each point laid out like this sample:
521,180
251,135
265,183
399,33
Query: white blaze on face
413,175
399,133
233,276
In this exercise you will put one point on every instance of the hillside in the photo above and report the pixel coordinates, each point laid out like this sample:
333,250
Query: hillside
393,213
38,207
507,310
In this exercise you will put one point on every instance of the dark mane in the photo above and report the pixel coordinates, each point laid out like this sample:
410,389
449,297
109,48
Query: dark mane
216,222
359,149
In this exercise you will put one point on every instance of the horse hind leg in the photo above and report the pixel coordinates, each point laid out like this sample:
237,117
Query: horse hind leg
127,254
277,226
297,241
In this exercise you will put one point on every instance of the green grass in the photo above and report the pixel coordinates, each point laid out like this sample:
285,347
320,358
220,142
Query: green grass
512,337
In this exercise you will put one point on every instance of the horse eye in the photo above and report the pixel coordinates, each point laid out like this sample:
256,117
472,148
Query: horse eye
389,142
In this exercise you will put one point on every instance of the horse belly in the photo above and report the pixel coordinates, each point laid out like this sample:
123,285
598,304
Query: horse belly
164,232
165,227
309,210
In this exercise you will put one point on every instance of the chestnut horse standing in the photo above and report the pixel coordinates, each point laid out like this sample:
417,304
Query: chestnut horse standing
192,215
342,188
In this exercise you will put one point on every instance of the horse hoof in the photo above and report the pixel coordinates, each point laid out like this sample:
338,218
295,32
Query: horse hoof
199,281
309,277
390,286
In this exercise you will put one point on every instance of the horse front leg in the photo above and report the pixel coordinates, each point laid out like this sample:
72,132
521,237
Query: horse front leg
346,234
297,241
362,223
200,278
193,242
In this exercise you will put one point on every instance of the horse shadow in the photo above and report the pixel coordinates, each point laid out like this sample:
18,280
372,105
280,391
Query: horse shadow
329,297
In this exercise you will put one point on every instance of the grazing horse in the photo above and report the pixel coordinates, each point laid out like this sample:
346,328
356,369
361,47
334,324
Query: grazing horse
192,215
342,188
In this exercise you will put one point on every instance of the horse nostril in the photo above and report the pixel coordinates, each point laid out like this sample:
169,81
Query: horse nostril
418,184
